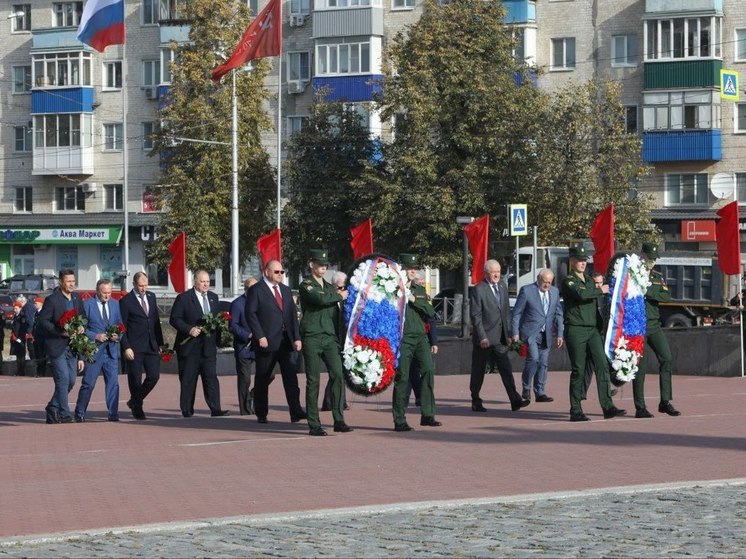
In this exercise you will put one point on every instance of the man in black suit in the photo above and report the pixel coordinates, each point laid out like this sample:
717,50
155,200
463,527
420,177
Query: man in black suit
273,320
143,342
242,351
197,352
65,364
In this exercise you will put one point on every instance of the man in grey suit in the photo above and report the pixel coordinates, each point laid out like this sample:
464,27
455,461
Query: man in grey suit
490,319
536,316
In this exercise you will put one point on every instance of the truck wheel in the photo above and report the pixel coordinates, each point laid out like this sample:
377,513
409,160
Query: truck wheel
678,321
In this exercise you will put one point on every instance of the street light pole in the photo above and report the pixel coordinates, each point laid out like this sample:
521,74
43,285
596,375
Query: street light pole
235,271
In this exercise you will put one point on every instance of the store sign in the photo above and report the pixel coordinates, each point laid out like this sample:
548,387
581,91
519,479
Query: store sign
698,230
62,235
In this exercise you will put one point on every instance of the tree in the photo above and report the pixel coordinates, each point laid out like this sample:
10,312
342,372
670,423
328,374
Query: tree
197,180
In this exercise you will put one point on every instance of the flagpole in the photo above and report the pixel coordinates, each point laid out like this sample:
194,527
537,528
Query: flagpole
279,130
125,163
741,325
235,271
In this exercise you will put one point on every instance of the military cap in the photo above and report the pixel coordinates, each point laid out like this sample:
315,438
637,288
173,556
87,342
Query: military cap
578,253
319,255
650,250
408,261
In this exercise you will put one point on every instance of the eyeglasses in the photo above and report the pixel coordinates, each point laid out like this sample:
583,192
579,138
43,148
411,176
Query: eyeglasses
278,271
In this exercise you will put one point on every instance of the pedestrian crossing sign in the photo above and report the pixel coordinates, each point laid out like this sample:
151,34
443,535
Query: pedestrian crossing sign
518,220
729,85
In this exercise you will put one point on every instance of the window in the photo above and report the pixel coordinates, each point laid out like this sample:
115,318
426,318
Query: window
21,17
300,6
167,57
151,72
741,187
148,129
113,75
402,4
66,14
347,58
295,124
113,197
687,189
62,69
624,50
348,3
683,37
679,110
70,198
253,6
172,10
149,12
113,136
299,66
62,130
21,79
23,138
23,202
563,53
740,118
740,44
630,119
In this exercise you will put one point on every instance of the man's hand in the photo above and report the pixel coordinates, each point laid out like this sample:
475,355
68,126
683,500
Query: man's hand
560,341
129,354
411,298
195,331
297,345
605,288
484,344
516,338
433,349
81,365
101,338
263,343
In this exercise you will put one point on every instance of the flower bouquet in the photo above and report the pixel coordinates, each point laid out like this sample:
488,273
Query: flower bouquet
625,334
167,354
215,323
115,330
374,315
73,324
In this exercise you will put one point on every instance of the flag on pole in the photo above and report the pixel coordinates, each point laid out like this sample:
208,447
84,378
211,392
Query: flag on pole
477,233
362,239
729,240
270,247
177,269
263,37
602,235
102,24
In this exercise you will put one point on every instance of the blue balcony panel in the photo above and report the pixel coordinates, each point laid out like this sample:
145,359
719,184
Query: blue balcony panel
683,6
62,100
530,79
520,11
682,145
163,98
57,38
349,88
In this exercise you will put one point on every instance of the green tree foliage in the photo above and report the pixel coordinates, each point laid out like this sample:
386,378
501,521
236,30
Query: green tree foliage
325,159
196,181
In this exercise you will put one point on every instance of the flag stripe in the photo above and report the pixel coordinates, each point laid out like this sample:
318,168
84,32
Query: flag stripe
102,24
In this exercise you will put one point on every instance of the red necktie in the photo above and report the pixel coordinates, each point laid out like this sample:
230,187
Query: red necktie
143,304
277,297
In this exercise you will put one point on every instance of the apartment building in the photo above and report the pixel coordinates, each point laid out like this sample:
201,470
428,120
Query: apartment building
62,109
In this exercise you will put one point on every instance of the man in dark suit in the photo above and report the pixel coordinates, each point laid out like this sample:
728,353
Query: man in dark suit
489,310
273,320
196,351
242,351
143,342
65,364
537,315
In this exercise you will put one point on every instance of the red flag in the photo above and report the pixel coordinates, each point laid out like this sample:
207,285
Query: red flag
362,239
602,235
263,37
478,233
177,267
729,240
270,247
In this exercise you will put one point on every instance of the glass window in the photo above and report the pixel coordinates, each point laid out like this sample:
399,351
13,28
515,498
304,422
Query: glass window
687,189
684,37
113,75
740,115
563,53
740,44
678,110
300,6
148,129
111,263
21,79
402,4
62,69
167,56
22,138
67,14
345,58
70,198
149,12
20,15
67,257
113,136
630,119
624,50
299,66
151,72
23,202
741,187
295,124
113,197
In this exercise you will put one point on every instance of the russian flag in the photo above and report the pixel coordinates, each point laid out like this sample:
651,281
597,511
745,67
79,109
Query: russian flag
102,24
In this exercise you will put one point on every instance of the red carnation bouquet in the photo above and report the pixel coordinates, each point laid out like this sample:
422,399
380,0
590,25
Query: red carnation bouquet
167,354
73,324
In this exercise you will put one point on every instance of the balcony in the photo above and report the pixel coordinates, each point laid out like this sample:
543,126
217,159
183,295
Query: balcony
683,6
56,38
682,145
349,89
63,161
520,11
62,100
364,21
681,74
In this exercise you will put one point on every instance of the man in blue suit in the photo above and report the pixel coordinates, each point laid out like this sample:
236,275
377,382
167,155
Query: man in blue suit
536,316
242,351
102,312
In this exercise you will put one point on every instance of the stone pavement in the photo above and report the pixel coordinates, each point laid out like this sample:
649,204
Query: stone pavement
515,483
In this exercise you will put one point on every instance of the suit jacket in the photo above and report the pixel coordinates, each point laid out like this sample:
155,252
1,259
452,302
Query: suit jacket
529,317
54,307
187,313
239,327
487,319
144,333
265,318
97,325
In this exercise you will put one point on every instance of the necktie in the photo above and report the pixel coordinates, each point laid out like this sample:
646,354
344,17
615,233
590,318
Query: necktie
105,314
497,293
278,298
205,304
545,301
144,303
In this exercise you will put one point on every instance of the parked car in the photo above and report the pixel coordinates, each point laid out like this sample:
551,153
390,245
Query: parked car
29,284
6,306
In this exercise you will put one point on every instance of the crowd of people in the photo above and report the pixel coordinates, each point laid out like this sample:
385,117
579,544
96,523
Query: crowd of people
269,329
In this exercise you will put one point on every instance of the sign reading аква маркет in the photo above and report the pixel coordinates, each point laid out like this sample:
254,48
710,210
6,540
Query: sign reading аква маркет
62,235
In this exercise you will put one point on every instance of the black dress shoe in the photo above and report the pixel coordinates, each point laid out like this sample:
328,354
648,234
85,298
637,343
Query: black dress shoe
295,418
667,407
79,419
262,419
187,413
342,427
220,413
115,419
53,416
477,406
429,421
544,398
317,432
518,404
137,412
526,395
579,417
67,419
643,413
614,412
402,427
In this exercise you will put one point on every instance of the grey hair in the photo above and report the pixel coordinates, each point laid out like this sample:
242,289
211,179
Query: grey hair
544,271
489,263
